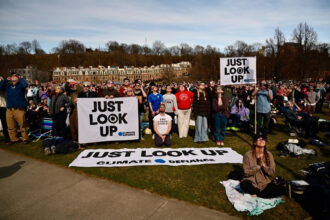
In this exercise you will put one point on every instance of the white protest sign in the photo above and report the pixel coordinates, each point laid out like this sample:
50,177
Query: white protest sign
238,70
155,156
101,119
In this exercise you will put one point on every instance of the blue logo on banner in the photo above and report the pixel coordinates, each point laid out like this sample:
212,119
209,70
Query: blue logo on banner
160,161
120,133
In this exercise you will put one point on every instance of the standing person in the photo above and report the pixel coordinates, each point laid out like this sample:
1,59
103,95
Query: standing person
14,87
125,86
85,93
29,94
58,110
36,94
110,91
201,110
141,96
171,105
264,97
320,90
154,100
259,167
3,115
185,100
220,108
162,125
311,99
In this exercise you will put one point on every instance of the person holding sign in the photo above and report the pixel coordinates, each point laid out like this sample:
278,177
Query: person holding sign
221,113
162,126
264,96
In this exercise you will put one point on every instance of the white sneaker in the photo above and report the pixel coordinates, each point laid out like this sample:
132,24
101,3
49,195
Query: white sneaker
153,136
53,149
47,151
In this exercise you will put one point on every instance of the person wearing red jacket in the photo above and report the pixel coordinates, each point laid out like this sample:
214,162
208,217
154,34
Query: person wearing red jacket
185,99
124,87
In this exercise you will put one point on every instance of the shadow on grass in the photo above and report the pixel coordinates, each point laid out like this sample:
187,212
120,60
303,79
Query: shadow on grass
249,142
296,176
237,173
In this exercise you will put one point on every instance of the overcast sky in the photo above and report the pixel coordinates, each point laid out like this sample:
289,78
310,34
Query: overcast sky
217,23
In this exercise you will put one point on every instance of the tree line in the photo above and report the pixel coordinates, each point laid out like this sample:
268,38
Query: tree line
279,57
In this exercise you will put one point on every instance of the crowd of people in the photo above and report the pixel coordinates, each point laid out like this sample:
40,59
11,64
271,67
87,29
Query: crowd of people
170,108
215,108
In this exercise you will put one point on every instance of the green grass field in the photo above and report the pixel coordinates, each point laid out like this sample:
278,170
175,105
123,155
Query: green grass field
196,184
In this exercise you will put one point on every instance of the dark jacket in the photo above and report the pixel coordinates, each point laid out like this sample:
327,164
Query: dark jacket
88,94
15,95
57,102
110,92
291,115
201,104
223,108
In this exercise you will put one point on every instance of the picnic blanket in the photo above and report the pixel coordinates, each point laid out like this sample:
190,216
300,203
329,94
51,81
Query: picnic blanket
245,202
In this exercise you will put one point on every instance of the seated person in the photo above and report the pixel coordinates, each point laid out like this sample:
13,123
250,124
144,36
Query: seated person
162,127
239,114
259,167
301,119
33,116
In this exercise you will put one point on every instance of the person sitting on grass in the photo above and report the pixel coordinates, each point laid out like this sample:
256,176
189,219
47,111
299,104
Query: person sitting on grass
162,127
240,116
259,167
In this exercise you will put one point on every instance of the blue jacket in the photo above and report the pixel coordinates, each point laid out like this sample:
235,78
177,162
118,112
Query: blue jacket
15,95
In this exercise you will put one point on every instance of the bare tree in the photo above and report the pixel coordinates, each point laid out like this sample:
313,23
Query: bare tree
112,46
70,46
25,47
305,35
185,49
198,49
11,49
36,48
273,44
146,50
175,51
158,47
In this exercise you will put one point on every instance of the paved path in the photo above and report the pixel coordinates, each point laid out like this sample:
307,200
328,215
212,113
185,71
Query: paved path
30,189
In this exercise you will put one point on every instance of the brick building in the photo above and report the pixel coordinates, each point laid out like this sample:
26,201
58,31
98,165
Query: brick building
116,74
31,74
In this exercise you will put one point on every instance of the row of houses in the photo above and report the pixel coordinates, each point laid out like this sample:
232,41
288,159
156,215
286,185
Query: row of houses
116,74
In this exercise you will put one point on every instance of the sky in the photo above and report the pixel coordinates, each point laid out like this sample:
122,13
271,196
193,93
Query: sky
218,23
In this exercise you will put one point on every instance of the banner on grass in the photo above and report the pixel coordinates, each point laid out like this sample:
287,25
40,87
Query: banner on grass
238,70
155,156
101,119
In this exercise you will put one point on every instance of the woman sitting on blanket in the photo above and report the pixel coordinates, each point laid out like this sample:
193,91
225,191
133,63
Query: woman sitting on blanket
259,167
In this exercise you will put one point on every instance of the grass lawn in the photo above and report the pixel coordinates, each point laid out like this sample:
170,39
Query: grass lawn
196,184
